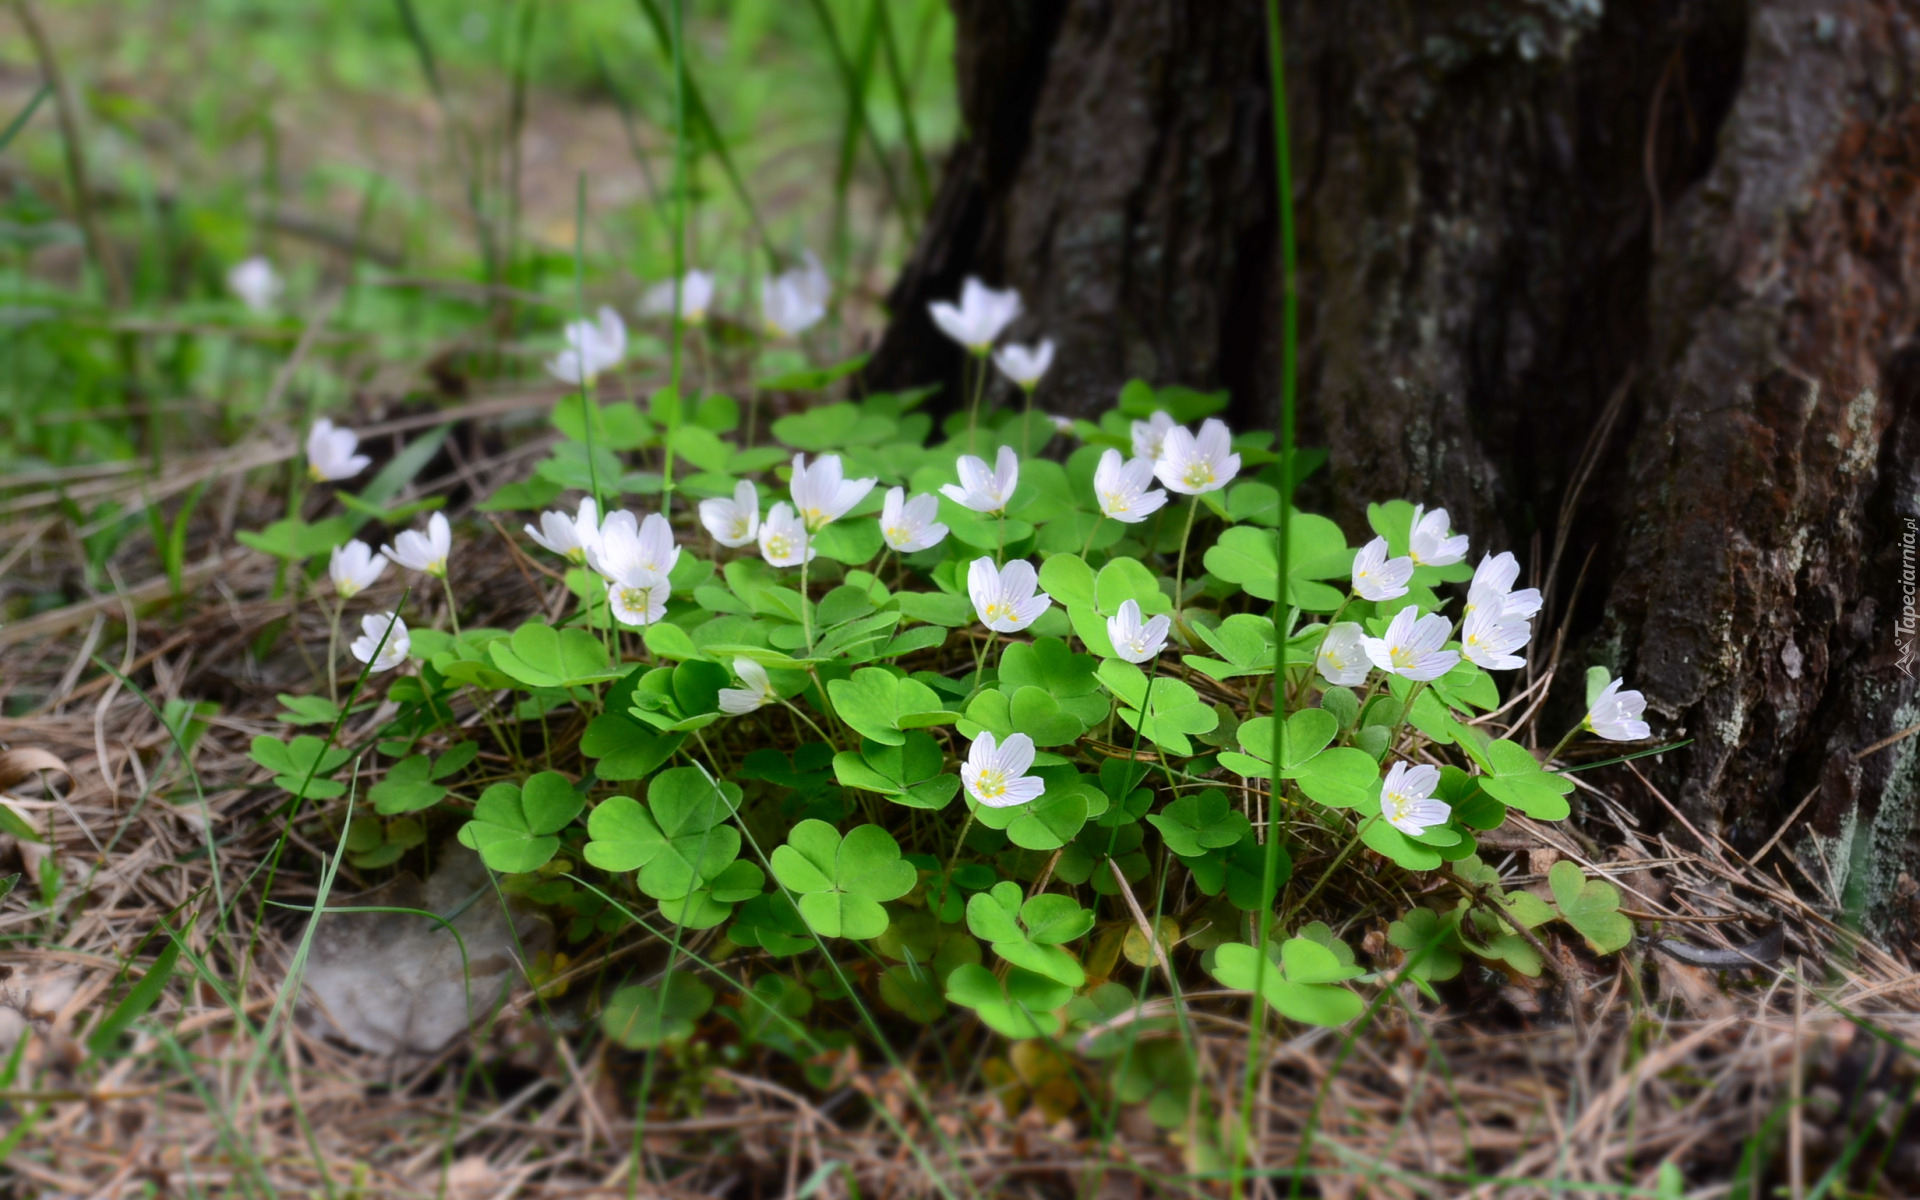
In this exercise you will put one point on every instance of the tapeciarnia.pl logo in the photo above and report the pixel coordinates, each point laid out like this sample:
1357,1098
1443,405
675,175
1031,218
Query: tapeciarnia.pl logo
1909,623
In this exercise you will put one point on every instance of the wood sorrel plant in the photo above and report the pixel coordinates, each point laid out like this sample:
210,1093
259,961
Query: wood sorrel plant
944,730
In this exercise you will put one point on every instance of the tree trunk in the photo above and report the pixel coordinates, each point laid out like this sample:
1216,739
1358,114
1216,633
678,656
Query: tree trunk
1676,242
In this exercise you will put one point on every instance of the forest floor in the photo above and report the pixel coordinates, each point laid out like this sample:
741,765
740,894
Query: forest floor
1748,1042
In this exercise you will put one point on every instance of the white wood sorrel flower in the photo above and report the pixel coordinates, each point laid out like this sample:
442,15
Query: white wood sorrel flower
1194,465
982,490
1150,436
330,452
255,282
1134,640
1120,488
354,567
1005,597
638,597
1615,714
1492,588
996,773
695,290
791,304
982,315
1411,647
569,537
736,522
1489,640
1431,541
1024,365
1406,799
758,692
427,551
909,525
1342,658
384,643
629,545
783,538
822,493
1377,577
593,348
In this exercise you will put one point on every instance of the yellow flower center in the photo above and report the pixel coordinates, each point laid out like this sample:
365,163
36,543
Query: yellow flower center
897,534
991,785
814,518
314,473
1397,805
1401,656
996,611
634,598
437,567
1198,474
780,546
1333,660
1116,503
577,556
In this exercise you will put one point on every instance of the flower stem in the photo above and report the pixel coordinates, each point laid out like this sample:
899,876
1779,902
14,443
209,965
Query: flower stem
333,651
1562,743
453,610
973,411
947,880
806,620
1180,570
1091,534
1353,844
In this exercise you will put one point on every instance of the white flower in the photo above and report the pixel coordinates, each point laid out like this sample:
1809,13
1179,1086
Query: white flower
1134,641
1061,425
1120,489
592,348
384,643
1430,542
812,279
1150,436
980,489
909,525
822,493
1342,658
255,282
696,296
996,775
757,694
790,304
1377,577
783,538
1004,597
982,315
1411,647
1616,714
628,546
638,597
354,567
1195,465
423,551
1489,641
1024,365
1492,588
734,522
1406,799
569,537
330,452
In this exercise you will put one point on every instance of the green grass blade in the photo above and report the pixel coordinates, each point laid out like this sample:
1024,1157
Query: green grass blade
26,114
143,997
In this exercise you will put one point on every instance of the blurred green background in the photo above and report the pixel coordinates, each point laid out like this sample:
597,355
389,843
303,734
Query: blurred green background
382,152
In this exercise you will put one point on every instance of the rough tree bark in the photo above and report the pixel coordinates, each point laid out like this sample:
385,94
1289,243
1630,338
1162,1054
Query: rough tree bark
1513,212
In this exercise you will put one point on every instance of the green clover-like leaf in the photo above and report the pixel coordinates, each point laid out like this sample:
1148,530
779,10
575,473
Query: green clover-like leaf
1519,781
882,705
1195,824
1303,984
640,1017
513,825
911,773
539,655
841,881
1027,1005
1591,906
302,766
408,787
